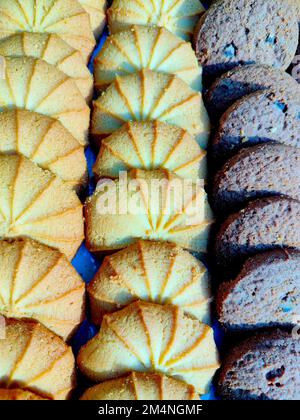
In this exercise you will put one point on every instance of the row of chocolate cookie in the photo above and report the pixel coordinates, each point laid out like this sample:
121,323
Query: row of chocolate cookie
151,116
44,86
152,123
267,167
258,105
265,293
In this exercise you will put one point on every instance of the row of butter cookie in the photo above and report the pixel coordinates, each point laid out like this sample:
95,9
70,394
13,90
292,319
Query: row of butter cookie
47,81
194,363
150,117
149,88
42,163
150,91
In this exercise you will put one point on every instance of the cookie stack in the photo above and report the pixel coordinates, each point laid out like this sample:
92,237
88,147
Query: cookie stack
44,121
245,48
152,297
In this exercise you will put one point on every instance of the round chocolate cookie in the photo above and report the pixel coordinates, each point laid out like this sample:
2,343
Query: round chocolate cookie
263,367
234,32
260,117
259,171
242,81
265,224
268,280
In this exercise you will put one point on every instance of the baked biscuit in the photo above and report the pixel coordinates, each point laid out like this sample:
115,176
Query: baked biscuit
66,18
148,146
239,32
17,394
155,272
46,142
146,47
262,367
36,204
178,16
38,282
52,49
35,359
261,117
97,12
268,280
265,224
155,205
148,96
141,386
146,337
40,87
258,171
244,80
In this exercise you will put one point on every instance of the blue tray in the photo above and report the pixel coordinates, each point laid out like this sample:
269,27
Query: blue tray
87,264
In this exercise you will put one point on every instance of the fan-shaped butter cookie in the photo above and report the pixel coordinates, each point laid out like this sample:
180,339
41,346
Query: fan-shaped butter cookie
54,50
147,96
36,204
179,16
35,359
38,86
97,12
151,145
141,386
66,18
18,395
146,337
146,47
151,271
39,282
154,205
46,142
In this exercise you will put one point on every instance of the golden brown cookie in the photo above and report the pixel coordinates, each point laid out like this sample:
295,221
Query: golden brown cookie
17,394
38,282
40,87
147,337
141,386
52,49
178,16
155,205
151,145
148,96
34,358
46,142
158,272
146,47
66,18
36,204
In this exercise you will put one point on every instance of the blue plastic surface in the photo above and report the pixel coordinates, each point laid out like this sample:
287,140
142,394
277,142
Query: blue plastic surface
87,264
